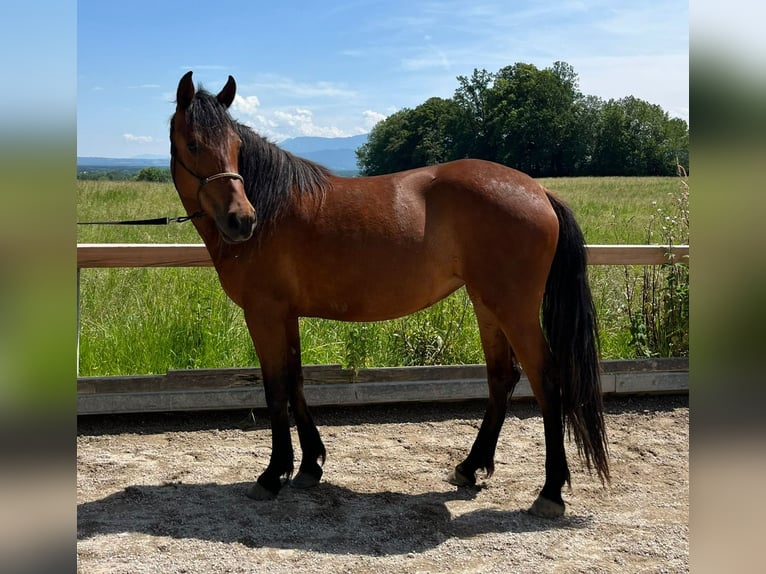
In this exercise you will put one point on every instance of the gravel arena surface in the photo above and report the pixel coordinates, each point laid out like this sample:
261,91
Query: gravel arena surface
165,493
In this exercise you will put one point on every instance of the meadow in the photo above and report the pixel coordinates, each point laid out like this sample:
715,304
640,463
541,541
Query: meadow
145,321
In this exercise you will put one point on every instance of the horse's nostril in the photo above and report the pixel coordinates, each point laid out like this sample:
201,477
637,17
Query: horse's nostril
239,225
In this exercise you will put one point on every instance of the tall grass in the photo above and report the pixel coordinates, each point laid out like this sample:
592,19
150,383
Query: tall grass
658,298
141,321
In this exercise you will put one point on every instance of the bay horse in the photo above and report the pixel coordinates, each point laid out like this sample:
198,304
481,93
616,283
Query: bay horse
289,239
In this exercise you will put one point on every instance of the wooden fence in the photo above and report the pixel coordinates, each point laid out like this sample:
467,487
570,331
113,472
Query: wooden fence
212,389
194,255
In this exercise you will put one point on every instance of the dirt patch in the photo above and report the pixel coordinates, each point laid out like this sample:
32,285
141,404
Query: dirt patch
166,493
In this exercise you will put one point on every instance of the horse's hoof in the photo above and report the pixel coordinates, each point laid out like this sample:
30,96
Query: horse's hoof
258,492
304,480
546,508
457,478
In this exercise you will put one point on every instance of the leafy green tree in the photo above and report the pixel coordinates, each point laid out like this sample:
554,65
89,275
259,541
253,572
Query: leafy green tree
587,115
411,138
635,137
676,144
473,130
611,146
435,124
533,118
389,146
155,174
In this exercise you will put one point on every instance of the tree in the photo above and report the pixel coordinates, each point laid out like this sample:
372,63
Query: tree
435,124
635,137
533,118
411,138
389,145
676,145
473,127
587,114
155,174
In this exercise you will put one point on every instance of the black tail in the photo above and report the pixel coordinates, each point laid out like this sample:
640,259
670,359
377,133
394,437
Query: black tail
569,321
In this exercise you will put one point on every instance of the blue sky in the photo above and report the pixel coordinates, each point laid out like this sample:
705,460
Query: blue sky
335,68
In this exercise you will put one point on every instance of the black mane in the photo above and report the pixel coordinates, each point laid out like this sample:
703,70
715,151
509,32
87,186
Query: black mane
271,174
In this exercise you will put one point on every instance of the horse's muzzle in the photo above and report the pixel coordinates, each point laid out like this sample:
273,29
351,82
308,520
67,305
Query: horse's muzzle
237,228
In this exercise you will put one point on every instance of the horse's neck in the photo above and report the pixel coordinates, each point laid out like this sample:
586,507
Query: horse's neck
223,256
210,237
205,228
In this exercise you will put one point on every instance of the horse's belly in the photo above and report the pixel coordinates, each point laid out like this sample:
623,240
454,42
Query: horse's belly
379,298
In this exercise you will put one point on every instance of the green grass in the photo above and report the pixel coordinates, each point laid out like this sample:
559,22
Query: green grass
615,210
142,321
126,200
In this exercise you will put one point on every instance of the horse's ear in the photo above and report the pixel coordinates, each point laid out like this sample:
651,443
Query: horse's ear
226,95
185,93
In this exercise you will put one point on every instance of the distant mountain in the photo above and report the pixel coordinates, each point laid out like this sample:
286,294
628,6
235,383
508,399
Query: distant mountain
315,144
337,154
142,161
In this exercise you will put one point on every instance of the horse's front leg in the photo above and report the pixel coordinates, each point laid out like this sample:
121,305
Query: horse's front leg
269,333
312,448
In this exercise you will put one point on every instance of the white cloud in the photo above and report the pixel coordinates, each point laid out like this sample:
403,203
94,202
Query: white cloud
281,124
137,139
300,121
296,117
313,118
247,106
318,109
290,122
371,118
323,131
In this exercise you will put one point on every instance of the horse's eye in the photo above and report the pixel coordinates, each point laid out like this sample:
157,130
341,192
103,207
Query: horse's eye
192,147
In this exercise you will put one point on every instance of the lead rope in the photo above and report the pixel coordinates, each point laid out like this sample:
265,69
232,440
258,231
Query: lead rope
155,221
203,181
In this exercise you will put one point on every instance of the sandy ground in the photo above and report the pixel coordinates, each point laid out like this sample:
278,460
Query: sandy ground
166,493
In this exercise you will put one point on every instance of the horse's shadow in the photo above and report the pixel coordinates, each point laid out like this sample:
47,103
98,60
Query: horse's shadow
328,518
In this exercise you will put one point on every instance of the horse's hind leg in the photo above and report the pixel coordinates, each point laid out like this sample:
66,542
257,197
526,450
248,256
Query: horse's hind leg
525,342
502,375
534,355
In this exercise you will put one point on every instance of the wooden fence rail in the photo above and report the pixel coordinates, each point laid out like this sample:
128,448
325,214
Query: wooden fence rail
240,388
196,255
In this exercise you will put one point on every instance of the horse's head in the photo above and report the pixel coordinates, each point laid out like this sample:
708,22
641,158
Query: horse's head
205,145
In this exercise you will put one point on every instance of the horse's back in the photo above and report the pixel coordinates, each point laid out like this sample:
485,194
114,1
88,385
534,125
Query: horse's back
442,214
494,186
429,198
494,205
